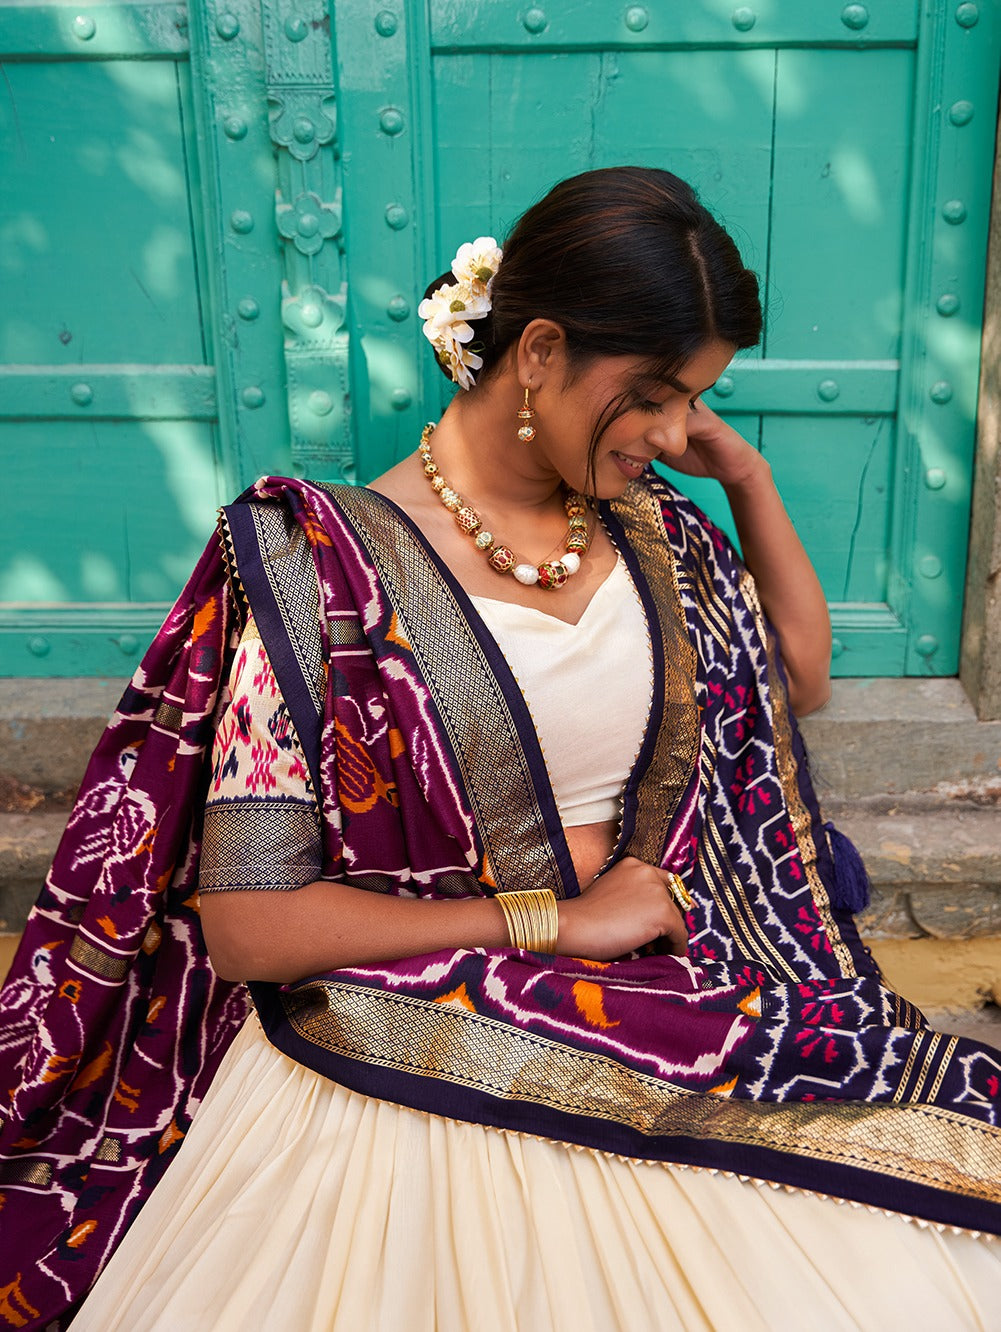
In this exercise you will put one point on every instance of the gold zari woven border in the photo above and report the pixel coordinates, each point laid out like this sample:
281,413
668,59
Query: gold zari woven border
920,1144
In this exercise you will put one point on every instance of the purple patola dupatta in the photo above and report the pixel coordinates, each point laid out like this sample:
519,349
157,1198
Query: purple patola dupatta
112,1022
772,1051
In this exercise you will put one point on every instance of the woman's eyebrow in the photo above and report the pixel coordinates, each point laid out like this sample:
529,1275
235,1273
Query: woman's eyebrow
653,383
683,388
650,385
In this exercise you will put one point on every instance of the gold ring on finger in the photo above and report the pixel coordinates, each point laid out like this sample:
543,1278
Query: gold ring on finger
677,889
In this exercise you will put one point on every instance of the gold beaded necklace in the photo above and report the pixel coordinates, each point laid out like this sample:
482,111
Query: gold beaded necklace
549,574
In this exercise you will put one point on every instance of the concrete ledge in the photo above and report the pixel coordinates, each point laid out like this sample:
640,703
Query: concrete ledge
935,871
902,766
935,868
875,736
8,947
48,728
27,844
889,736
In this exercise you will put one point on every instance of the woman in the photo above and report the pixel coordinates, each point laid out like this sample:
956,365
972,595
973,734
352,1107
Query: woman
510,831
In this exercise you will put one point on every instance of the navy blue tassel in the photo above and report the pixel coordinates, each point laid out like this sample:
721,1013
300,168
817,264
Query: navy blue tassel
851,882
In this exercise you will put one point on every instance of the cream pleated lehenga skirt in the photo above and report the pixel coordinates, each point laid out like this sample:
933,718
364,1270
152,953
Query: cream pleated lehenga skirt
295,1205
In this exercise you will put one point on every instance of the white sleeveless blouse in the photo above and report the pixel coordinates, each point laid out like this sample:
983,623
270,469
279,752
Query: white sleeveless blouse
588,687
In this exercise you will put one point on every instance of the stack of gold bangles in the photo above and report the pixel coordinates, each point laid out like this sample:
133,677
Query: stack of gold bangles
533,922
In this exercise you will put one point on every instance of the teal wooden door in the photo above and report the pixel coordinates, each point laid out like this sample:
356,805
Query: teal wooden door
116,355
849,148
217,224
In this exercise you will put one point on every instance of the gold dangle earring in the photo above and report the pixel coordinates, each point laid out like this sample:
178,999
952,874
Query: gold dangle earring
526,431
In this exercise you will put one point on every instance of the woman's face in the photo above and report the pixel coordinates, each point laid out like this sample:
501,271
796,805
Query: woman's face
653,424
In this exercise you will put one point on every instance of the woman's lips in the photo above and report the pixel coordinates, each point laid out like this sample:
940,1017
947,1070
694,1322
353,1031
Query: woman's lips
629,466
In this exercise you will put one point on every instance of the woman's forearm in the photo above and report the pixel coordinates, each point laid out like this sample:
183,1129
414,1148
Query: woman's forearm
788,586
284,936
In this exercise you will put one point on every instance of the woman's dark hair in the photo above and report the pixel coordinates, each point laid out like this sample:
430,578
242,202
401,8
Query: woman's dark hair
628,262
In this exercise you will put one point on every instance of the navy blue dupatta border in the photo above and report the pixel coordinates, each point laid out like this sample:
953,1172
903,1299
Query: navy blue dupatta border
262,587
440,1096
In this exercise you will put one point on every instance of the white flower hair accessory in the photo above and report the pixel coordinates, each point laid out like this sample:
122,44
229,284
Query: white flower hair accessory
447,311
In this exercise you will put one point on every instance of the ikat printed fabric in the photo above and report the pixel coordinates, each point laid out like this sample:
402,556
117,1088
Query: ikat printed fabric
774,1050
262,827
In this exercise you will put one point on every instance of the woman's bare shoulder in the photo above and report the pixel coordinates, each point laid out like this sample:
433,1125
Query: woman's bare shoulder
401,483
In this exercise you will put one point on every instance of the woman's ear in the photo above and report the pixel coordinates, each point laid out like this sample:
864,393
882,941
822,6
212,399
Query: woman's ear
541,349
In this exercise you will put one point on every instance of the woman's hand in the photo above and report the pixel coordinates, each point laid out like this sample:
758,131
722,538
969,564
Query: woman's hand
628,906
787,584
715,450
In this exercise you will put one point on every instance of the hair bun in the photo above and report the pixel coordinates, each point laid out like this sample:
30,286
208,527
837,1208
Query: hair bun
626,260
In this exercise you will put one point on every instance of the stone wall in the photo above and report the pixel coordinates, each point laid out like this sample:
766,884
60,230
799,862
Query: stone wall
980,669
